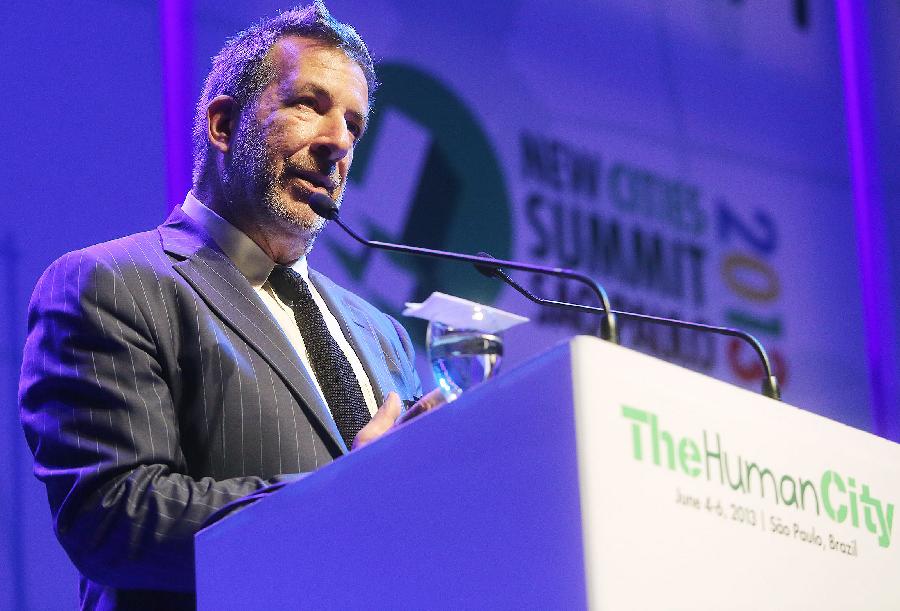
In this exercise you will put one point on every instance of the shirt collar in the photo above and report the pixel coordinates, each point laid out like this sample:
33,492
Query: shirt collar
247,256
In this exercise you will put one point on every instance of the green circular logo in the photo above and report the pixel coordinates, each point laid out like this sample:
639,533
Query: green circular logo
458,200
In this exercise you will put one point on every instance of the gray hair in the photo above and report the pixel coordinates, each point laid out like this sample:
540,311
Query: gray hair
242,70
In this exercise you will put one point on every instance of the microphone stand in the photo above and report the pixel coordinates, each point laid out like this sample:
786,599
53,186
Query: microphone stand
323,206
770,386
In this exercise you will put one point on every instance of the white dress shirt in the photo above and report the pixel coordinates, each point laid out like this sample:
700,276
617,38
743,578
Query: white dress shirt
256,266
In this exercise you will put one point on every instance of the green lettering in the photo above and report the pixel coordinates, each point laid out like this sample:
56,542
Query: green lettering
688,452
638,416
805,485
854,508
887,527
829,478
667,438
869,503
879,519
717,455
792,499
752,466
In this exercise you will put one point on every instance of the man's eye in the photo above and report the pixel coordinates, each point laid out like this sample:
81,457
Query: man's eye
307,101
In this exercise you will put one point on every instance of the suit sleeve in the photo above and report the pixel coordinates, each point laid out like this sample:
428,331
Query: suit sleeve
100,419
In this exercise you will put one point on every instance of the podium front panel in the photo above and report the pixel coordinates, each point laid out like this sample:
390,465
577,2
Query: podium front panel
475,505
701,495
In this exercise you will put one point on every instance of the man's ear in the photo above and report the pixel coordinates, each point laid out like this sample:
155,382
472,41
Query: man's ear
221,120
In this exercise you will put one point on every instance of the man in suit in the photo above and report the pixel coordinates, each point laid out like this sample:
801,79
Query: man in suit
170,374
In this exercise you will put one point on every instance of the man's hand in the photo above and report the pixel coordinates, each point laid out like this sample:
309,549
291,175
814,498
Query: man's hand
427,403
388,416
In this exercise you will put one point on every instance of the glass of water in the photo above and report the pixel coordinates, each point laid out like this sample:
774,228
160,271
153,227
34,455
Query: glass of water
461,358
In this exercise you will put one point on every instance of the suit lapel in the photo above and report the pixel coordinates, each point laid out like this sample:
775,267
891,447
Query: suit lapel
227,293
360,332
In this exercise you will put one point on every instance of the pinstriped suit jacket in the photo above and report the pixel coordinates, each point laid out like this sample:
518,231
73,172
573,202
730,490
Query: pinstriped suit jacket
156,388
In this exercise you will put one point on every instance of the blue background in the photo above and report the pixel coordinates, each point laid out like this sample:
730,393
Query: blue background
85,158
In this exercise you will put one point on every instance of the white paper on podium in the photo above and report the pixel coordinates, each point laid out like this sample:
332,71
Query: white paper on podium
463,314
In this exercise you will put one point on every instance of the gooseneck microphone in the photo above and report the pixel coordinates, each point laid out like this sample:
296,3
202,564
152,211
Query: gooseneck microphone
325,207
770,382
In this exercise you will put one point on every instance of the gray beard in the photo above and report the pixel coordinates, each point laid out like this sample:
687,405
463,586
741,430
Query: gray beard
251,182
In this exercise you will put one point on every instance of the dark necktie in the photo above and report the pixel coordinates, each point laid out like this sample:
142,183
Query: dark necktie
333,371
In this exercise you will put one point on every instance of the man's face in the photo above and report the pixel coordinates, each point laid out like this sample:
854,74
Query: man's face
299,136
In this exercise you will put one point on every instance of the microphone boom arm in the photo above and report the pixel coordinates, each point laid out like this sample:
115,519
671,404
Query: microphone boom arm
770,382
608,328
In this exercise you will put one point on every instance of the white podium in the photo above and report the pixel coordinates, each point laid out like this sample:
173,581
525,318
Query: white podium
591,477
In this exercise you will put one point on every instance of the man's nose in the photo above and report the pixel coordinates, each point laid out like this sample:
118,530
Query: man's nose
333,140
